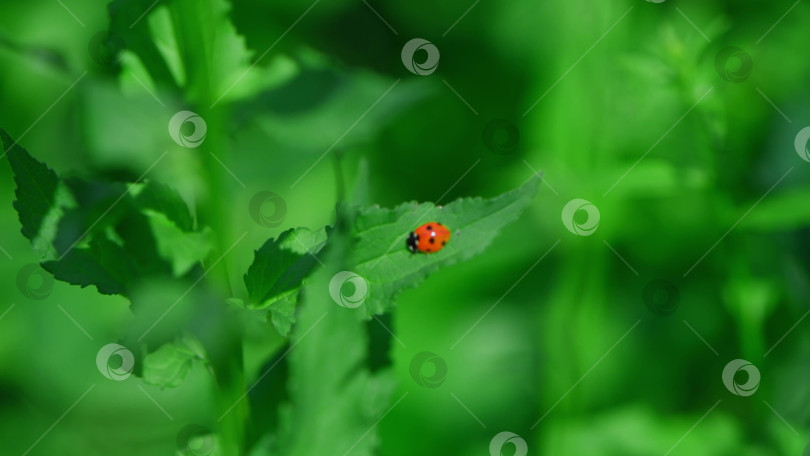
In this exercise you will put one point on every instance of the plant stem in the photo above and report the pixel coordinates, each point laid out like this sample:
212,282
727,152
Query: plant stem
194,22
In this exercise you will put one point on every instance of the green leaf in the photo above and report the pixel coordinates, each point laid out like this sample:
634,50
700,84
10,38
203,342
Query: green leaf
128,113
127,22
379,254
168,366
115,251
282,312
281,264
36,187
99,206
787,210
108,234
335,400
182,249
192,45
322,100
161,198
278,269
215,57
97,265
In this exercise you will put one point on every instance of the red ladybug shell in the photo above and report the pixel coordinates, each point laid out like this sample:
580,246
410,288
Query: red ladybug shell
428,238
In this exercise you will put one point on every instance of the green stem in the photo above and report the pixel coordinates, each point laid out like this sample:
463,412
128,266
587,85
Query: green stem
228,368
194,22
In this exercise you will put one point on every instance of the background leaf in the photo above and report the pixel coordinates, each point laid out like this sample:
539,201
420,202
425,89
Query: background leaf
169,365
107,234
36,187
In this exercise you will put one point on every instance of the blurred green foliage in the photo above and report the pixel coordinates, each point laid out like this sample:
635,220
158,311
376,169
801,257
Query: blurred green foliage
689,158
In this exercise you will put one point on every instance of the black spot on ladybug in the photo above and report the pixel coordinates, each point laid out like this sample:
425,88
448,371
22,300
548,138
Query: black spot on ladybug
432,240
444,242
429,227
427,249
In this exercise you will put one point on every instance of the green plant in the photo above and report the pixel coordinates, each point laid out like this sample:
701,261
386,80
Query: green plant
671,136
138,240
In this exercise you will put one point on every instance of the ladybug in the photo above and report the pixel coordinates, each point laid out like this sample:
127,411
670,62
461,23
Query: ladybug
428,238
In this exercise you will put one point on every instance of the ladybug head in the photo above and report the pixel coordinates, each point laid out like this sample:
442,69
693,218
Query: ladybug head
413,238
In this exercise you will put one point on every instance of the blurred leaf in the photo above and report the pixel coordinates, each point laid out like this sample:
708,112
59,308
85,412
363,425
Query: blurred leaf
36,190
162,33
321,105
217,62
85,267
360,195
636,430
161,198
750,298
282,311
126,252
166,309
209,444
182,249
108,234
334,399
127,22
784,211
116,121
169,365
193,45
99,207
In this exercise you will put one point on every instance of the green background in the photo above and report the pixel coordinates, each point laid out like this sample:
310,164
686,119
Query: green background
567,338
